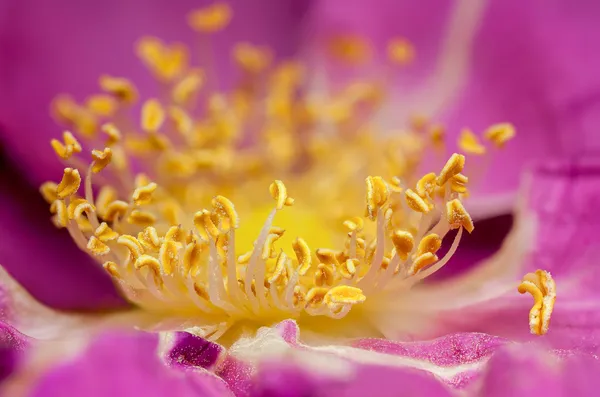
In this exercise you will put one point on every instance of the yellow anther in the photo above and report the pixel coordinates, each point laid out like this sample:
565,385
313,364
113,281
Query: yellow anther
421,262
350,49
315,296
97,247
469,143
437,134
416,202
344,295
48,192
354,224
205,224
348,268
499,134
404,242
419,121
279,193
101,159
401,51
430,243
210,19
141,218
153,116
147,261
458,182
324,275
105,233
279,269
143,194
192,256
542,288
141,180
70,146
250,58
245,257
149,239
457,216
166,62
182,121
78,206
224,209
132,244
378,193
102,105
69,183
303,255
114,135
185,89
59,208
328,256
201,291
121,88
169,256
268,250
115,209
175,233
426,184
299,296
454,165
395,185
112,269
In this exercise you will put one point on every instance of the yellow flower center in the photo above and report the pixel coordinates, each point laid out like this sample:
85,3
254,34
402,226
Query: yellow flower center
248,207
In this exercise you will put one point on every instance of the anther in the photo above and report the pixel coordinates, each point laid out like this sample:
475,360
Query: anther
153,116
404,243
426,184
378,193
499,134
69,183
457,216
101,159
469,143
97,247
279,193
421,262
430,243
105,233
454,165
416,202
143,195
224,208
401,51
70,146
121,88
354,224
210,19
303,255
344,295
542,288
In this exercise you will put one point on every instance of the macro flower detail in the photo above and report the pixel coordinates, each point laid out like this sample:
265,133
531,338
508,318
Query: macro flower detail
273,219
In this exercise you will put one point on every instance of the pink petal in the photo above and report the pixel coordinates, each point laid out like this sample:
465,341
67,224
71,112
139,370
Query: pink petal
125,364
182,349
525,371
64,46
45,260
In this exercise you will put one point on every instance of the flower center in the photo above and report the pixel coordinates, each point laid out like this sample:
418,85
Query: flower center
171,236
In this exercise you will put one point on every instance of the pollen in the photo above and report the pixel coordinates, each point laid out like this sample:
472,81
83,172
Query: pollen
542,288
193,218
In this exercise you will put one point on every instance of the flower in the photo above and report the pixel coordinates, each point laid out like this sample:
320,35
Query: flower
183,273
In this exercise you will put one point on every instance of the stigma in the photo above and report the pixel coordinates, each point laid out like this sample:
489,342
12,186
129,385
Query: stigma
169,201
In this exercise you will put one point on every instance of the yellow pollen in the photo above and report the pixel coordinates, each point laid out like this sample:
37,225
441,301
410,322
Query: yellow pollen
132,244
542,288
279,193
224,208
105,233
153,115
344,294
454,165
152,264
143,195
97,247
499,134
169,256
101,159
149,239
404,243
426,185
121,88
78,206
210,19
430,243
70,146
416,202
469,143
141,218
401,51
115,209
422,261
205,224
457,216
378,193
69,183
348,269
303,255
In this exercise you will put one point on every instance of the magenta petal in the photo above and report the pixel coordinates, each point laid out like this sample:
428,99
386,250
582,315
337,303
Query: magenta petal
125,365
64,46
43,259
12,345
524,371
533,65
447,351
186,350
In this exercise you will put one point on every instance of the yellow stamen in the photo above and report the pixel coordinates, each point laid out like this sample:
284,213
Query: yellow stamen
102,105
378,193
457,216
404,243
143,195
422,261
250,58
119,87
469,143
499,134
430,243
48,191
354,224
153,115
59,208
542,288
210,19
114,135
344,295
426,184
279,193
97,247
303,255
416,202
454,165
105,233
101,159
350,49
69,183
70,146
401,51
